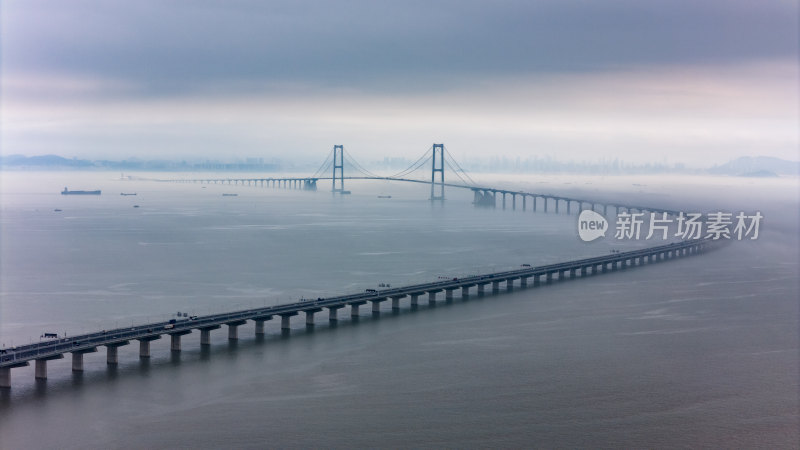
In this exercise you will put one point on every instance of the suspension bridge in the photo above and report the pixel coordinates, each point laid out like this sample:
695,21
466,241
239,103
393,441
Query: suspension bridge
434,161
438,158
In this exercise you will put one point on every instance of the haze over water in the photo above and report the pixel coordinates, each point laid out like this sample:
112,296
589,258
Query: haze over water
694,352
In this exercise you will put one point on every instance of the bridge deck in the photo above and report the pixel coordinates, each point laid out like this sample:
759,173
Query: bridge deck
21,355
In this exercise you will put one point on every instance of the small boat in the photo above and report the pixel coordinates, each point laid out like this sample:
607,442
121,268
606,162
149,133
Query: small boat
135,206
384,196
230,195
123,193
68,192
57,210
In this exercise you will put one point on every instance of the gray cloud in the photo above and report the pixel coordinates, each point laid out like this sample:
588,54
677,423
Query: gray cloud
178,47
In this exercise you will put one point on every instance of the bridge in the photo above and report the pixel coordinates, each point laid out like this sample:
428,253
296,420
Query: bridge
80,345
439,158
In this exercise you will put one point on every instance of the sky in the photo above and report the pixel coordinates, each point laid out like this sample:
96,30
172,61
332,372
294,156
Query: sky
677,81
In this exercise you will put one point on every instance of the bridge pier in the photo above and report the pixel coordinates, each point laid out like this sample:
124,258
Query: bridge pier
523,282
432,297
549,277
112,353
233,329
573,273
333,311
286,320
354,310
534,204
40,366
513,201
396,302
536,279
205,334
376,305
175,340
144,345
310,316
259,331
414,300
77,358
5,377
524,201
481,289
465,291
556,205
448,294
495,287
583,271
568,207
510,284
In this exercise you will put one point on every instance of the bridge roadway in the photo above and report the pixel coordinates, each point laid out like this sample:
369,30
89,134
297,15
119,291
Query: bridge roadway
484,196
79,345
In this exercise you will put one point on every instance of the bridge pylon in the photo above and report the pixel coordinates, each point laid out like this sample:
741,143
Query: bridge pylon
338,166
437,149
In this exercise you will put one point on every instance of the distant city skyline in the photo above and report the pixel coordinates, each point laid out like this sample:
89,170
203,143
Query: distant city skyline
698,83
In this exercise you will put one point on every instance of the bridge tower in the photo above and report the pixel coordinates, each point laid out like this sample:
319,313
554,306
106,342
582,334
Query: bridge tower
437,149
338,164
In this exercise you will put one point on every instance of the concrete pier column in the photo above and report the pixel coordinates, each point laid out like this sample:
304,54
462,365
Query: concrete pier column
286,322
112,355
495,287
448,294
259,327
534,204
583,271
205,336
523,282
310,317
568,207
480,289
510,284
432,297
415,299
573,273
605,267
354,309
396,303
175,342
5,377
549,277
144,350
233,332
332,314
464,291
41,369
77,362
536,280
376,306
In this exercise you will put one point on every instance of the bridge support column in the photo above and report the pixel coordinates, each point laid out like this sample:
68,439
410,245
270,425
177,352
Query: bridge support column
5,377
376,306
432,298
396,303
573,273
144,350
233,332
495,287
464,291
77,362
523,282
175,342
510,284
259,327
524,201
583,271
112,356
536,279
534,204
205,334
310,317
448,294
549,277
514,202
286,322
40,372
414,300
332,312
354,310
480,289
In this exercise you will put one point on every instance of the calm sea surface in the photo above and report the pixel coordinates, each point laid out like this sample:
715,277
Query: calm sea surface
697,352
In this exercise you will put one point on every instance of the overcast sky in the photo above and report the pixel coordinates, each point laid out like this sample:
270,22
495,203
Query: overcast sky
697,81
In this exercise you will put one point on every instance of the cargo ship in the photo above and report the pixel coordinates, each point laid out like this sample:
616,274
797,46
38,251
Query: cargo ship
68,192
